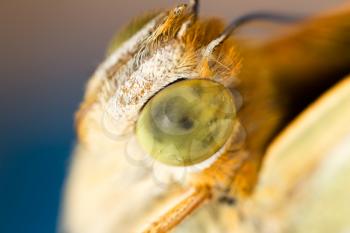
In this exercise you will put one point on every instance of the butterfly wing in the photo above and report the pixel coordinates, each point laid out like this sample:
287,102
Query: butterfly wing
303,185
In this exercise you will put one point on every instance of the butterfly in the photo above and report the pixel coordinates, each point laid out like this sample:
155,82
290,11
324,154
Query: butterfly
187,128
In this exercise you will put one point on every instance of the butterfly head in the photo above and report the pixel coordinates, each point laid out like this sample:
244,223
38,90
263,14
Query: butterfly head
170,84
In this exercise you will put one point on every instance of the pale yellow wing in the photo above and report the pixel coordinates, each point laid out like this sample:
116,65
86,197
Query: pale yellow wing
304,184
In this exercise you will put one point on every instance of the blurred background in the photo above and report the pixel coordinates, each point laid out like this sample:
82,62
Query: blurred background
48,50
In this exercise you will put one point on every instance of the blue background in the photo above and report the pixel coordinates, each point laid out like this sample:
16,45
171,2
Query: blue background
48,49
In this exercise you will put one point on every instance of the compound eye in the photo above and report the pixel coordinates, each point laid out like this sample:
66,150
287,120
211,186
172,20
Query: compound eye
186,122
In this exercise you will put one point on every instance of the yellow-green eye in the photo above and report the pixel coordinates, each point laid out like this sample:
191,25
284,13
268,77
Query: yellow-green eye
186,122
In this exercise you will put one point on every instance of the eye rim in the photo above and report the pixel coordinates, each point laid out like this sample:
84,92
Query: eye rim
214,153
150,98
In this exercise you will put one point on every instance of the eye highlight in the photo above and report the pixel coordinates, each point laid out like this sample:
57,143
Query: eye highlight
186,122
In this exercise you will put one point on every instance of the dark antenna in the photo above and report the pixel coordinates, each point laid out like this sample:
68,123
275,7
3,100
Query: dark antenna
194,4
194,10
241,20
265,16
